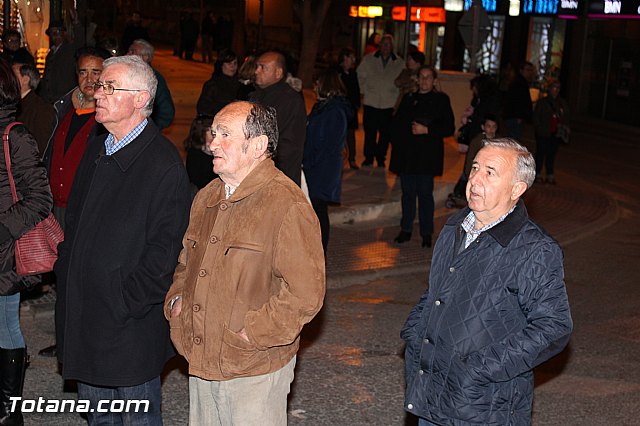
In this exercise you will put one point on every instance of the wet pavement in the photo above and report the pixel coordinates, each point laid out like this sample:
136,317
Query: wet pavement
350,366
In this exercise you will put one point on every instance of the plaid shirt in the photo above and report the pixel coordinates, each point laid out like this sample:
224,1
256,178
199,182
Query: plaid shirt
469,222
112,147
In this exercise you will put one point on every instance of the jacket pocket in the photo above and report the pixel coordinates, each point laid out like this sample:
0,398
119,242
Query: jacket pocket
240,358
175,329
240,247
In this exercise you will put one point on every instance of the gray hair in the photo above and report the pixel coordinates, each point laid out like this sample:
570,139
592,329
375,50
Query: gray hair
140,75
31,71
260,121
147,48
526,165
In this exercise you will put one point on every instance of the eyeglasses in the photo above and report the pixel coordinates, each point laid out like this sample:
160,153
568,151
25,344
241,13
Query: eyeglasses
108,89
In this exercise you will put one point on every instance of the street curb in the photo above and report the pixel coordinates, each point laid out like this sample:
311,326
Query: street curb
350,278
369,211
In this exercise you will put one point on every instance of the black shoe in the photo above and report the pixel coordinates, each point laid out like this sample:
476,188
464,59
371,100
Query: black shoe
367,163
381,164
49,351
402,237
426,241
353,165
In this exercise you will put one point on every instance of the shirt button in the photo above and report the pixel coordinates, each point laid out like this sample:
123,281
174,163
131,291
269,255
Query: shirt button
421,372
197,340
213,240
427,341
196,308
438,303
452,269
410,406
202,272
224,206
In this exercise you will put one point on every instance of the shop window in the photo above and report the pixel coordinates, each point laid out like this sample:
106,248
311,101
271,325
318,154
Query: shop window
540,44
488,57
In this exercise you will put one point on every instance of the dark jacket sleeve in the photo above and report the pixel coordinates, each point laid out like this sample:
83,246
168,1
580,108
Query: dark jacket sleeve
163,108
30,178
543,300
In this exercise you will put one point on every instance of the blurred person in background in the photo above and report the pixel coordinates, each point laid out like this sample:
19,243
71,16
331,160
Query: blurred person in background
349,77
423,120
376,75
163,109
550,122
247,77
326,132
407,81
36,114
222,88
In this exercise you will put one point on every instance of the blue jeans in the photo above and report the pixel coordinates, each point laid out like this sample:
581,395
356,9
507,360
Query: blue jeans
10,333
149,391
420,186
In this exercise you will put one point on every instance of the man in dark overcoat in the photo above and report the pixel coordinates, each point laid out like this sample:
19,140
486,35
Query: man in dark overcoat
128,210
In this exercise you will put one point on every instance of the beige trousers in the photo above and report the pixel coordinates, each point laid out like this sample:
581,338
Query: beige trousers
246,401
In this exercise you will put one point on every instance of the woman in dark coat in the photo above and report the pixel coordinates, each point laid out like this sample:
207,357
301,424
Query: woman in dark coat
34,205
423,120
549,118
349,77
325,138
222,87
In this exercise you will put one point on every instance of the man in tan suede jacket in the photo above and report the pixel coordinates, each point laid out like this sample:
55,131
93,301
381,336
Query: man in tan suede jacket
250,276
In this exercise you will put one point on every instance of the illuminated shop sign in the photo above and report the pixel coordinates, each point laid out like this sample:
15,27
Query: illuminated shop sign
616,9
365,11
419,14
488,5
570,9
540,7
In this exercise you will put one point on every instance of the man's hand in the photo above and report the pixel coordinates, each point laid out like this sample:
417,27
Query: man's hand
419,129
177,307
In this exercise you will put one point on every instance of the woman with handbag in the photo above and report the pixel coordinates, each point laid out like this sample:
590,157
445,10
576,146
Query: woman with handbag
16,218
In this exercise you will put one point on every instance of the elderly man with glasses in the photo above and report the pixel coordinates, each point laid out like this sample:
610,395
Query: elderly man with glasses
127,212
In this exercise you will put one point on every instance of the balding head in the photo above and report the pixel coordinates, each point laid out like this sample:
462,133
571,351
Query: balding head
271,68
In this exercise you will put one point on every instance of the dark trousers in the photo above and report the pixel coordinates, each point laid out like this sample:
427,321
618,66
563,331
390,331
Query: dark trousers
374,121
351,145
420,186
109,405
546,150
514,128
321,207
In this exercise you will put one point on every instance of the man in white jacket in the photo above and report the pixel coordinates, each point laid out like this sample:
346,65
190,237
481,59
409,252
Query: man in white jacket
376,75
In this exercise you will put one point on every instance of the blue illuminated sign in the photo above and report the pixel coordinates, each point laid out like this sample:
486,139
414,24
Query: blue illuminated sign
540,7
488,5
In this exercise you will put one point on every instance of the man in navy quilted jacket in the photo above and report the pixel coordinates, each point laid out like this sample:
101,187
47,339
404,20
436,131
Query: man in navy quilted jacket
496,306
